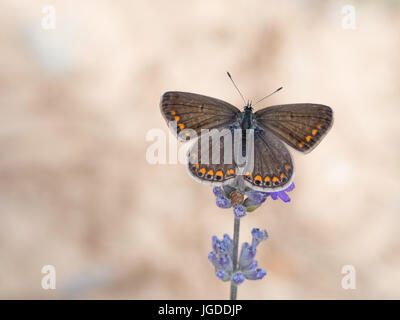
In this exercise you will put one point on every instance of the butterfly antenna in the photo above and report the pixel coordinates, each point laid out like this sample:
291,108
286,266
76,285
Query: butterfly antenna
268,95
230,77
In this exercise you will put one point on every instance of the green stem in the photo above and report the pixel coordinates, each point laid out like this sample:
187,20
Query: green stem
236,228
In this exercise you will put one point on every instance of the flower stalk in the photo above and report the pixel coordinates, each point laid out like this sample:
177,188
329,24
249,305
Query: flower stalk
236,229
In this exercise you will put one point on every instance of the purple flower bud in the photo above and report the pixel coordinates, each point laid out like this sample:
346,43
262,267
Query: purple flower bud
247,255
212,258
222,274
258,236
253,265
214,241
218,192
282,194
225,262
239,211
228,243
255,274
221,256
223,202
257,197
290,188
237,277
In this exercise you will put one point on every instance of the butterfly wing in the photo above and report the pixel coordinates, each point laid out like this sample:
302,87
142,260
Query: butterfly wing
196,112
302,125
210,158
273,167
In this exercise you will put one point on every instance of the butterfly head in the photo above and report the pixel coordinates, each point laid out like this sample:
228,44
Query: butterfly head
247,119
248,108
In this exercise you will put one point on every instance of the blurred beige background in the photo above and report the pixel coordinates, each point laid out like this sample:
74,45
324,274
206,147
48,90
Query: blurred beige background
76,103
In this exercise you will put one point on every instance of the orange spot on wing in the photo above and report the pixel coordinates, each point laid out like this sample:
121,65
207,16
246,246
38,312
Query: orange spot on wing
181,126
196,165
177,118
308,138
275,179
287,167
319,126
210,172
219,173
257,178
202,170
300,144
282,176
266,179
314,132
230,171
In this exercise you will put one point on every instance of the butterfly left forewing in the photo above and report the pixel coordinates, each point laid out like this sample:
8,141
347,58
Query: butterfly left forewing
302,125
196,112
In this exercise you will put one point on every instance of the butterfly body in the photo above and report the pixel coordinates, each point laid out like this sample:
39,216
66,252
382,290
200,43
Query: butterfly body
247,118
256,137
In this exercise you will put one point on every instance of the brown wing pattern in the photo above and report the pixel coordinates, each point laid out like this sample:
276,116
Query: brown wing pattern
196,112
211,160
302,125
273,167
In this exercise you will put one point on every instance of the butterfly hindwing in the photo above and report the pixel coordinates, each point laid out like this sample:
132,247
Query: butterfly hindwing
210,158
273,167
196,112
302,125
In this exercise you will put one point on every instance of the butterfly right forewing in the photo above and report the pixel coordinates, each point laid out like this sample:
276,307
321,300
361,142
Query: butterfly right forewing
301,125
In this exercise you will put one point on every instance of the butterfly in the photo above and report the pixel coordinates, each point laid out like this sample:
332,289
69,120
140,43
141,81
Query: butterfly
301,126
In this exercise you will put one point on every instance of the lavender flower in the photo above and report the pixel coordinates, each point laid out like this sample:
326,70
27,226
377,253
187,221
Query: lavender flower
227,197
218,192
223,202
239,211
237,277
282,194
257,198
222,256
